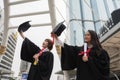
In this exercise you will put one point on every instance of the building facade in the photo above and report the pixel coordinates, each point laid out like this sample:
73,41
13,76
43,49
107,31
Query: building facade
88,14
6,59
24,69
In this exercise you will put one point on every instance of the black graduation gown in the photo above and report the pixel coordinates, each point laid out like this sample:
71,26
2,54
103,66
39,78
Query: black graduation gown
68,57
96,68
43,69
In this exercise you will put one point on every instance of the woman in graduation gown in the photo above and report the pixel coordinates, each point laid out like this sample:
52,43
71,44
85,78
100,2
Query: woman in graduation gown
29,52
93,66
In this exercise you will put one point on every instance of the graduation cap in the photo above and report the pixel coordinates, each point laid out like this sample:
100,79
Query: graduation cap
24,26
59,29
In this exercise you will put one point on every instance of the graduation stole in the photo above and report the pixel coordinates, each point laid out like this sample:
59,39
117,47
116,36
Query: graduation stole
41,51
87,52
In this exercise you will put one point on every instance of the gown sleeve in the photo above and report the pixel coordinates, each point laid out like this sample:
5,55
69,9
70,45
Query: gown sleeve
28,49
100,65
69,57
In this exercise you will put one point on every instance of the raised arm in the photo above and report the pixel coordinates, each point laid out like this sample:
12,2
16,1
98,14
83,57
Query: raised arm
58,42
21,34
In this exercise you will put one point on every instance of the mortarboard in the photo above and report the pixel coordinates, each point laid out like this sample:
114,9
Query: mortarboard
59,29
24,26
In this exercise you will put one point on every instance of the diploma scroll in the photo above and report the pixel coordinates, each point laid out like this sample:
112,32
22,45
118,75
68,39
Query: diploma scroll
85,49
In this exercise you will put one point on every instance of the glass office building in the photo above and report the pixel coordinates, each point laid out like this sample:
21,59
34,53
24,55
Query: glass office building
6,59
88,14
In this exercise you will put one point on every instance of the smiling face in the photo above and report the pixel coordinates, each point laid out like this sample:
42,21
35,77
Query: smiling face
92,38
45,44
87,37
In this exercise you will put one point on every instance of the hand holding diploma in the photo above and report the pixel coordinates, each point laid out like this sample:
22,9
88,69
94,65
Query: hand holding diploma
85,57
36,56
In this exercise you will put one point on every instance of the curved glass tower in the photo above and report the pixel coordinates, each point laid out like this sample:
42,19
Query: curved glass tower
88,14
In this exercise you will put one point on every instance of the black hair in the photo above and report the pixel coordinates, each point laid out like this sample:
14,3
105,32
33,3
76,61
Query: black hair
95,41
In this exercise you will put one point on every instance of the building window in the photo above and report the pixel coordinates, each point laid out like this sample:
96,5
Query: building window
8,55
5,63
4,67
5,58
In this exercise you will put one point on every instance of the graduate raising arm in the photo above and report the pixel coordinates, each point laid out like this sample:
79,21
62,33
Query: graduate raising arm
92,66
31,52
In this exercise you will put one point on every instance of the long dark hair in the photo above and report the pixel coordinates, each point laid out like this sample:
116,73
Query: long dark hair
95,40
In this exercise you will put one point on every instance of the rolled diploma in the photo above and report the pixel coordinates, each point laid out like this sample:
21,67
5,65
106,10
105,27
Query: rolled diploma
85,49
